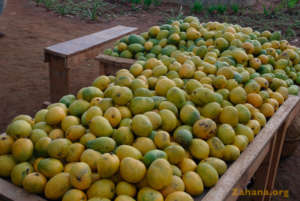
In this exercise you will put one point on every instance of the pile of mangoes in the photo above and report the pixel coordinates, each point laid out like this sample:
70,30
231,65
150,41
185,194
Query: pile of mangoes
263,51
163,130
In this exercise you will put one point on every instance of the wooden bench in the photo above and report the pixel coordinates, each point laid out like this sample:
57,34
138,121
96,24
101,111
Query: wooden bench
62,56
260,159
109,65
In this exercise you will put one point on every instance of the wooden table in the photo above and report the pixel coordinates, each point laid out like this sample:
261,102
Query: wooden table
62,56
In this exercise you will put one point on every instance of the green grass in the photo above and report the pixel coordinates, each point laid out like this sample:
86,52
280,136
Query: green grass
197,7
87,9
49,4
235,8
221,9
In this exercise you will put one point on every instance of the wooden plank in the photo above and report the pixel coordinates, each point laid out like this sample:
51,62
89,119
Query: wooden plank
11,192
248,174
59,78
265,177
63,56
114,60
78,45
109,65
101,69
239,170
262,175
274,161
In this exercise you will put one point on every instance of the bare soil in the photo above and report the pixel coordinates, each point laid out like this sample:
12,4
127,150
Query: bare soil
24,80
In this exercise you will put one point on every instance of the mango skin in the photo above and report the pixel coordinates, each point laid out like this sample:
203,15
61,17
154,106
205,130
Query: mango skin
57,186
159,174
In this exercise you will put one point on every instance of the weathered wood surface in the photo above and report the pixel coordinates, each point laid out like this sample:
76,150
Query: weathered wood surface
59,78
114,60
109,65
84,43
11,192
66,55
263,150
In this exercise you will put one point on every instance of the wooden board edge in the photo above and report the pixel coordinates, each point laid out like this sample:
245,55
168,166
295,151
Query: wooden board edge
48,51
235,172
111,59
11,192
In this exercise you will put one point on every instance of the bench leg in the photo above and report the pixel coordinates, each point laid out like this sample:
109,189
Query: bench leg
109,69
59,77
101,68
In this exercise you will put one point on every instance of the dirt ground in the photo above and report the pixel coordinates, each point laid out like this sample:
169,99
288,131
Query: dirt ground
24,80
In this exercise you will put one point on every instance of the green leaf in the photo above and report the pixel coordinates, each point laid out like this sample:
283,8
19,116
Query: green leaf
292,3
